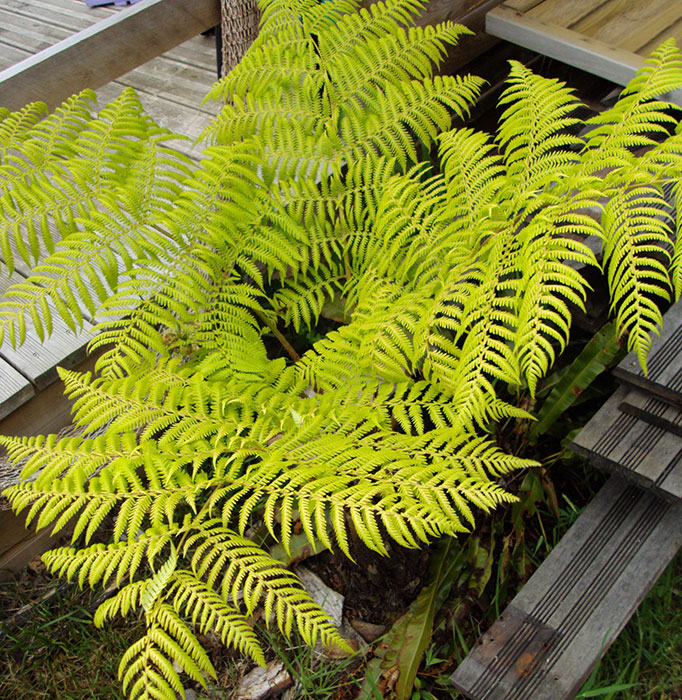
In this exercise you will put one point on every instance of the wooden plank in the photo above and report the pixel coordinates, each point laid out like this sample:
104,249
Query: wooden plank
9,55
642,451
652,410
174,81
76,9
664,364
570,47
103,52
38,361
48,411
29,34
18,546
674,31
548,639
563,45
562,12
179,119
523,5
603,14
638,23
15,389
50,14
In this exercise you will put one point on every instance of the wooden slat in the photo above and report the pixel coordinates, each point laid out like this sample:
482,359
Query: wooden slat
637,23
38,361
651,410
641,451
175,82
9,55
51,13
546,642
674,31
176,117
565,45
105,51
564,13
602,15
15,389
664,364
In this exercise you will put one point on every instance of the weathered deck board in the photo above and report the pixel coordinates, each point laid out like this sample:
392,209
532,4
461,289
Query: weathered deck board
38,361
15,389
664,364
546,642
642,451
171,86
649,409
604,37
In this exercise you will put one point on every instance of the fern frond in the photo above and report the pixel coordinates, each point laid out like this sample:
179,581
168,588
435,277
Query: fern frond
636,240
532,131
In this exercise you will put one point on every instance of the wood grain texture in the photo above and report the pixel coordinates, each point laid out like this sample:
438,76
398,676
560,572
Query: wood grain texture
563,45
38,361
674,31
564,13
18,545
546,642
652,410
638,23
102,52
664,364
643,451
15,389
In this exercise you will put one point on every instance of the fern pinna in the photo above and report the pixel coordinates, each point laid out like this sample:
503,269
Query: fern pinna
453,282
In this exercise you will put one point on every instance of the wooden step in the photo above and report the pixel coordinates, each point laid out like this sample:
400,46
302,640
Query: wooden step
564,31
643,451
651,409
664,365
563,620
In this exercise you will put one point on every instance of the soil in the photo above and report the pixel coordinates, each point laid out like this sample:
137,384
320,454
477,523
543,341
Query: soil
377,589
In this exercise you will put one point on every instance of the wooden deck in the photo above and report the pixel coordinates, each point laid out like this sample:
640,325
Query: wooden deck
638,26
609,38
171,86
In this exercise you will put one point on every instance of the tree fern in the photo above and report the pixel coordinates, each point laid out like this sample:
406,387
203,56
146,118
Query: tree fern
453,280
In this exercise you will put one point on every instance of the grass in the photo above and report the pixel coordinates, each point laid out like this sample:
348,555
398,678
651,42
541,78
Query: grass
58,653
645,662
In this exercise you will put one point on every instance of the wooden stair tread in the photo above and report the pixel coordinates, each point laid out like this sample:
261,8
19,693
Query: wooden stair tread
547,641
651,409
642,451
664,363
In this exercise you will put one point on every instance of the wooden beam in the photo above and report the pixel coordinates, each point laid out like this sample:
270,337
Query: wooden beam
106,50
567,46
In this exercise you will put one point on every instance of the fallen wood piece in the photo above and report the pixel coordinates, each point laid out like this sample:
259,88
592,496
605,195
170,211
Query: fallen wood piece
619,441
262,683
563,620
